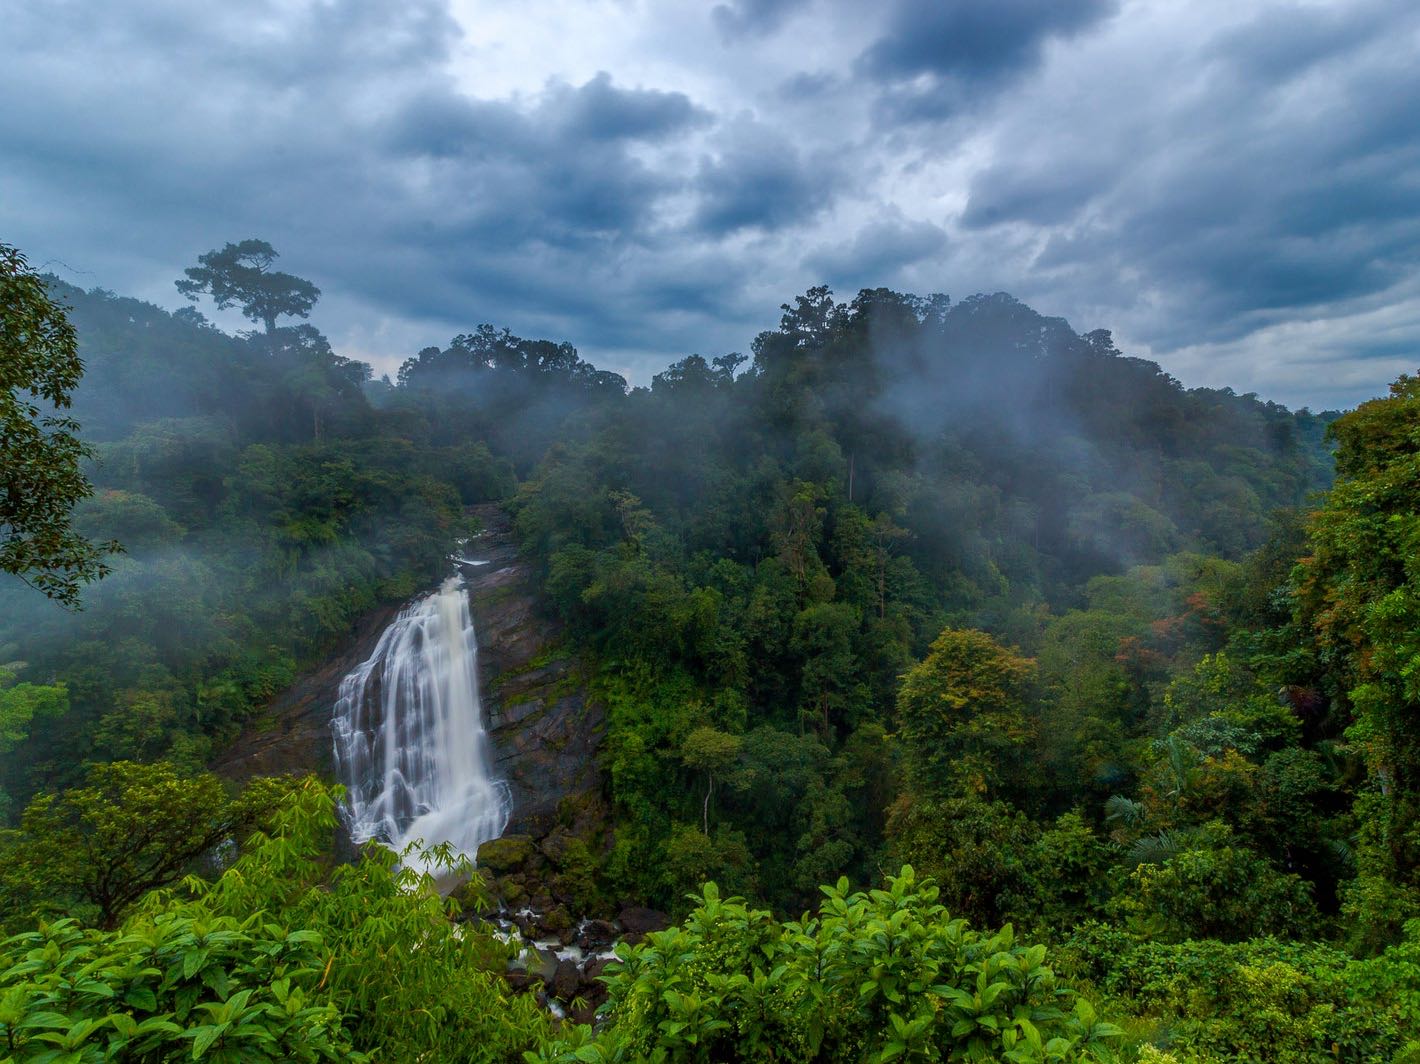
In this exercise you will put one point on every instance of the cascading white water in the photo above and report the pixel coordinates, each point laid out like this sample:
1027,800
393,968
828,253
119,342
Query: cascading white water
410,743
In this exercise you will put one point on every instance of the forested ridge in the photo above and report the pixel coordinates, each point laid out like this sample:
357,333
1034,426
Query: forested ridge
973,691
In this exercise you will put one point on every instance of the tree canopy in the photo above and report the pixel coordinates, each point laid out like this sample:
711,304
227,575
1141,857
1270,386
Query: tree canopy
41,455
241,275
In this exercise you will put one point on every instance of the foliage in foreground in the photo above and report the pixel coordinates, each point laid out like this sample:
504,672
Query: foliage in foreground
94,851
281,958
875,976
278,958
212,988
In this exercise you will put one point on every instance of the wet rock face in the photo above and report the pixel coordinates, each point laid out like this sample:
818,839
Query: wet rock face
567,980
504,855
562,965
544,732
293,735
594,936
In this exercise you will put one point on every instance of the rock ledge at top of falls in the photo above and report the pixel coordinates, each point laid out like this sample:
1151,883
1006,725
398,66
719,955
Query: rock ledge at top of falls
545,733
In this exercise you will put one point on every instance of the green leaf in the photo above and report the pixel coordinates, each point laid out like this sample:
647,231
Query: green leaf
141,998
124,1024
202,1039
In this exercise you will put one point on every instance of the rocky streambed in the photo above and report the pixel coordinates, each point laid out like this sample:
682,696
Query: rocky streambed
535,892
563,965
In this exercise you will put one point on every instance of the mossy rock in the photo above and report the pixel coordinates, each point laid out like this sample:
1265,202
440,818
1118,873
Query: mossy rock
505,854
511,891
556,920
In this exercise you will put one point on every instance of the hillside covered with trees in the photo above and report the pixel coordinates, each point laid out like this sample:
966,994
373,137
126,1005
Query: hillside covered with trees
973,691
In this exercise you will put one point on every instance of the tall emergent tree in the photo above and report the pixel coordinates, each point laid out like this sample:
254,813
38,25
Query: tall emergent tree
40,478
241,275
961,712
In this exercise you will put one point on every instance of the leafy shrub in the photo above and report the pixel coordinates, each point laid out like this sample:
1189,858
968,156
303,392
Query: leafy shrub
876,976
1227,893
1259,1001
177,986
276,959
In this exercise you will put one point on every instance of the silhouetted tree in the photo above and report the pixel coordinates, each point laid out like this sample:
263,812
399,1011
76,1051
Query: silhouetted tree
241,274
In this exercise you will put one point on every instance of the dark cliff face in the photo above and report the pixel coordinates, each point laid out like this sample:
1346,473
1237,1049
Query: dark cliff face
545,733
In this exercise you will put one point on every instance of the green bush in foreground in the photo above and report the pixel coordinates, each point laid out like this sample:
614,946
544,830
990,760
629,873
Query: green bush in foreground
876,976
279,958
218,989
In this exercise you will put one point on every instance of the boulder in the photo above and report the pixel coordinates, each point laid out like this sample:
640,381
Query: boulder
592,973
566,980
596,935
473,900
511,891
594,992
555,922
635,920
520,980
504,855
554,846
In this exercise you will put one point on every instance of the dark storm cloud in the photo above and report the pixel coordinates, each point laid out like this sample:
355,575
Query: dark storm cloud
877,253
1278,44
368,168
807,85
1240,176
1045,196
601,111
934,54
560,172
756,181
1280,185
443,125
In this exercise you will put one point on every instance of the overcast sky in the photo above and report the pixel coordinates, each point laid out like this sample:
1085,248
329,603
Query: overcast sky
1232,187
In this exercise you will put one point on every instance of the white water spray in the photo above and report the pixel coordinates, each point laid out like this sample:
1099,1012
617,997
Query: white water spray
410,742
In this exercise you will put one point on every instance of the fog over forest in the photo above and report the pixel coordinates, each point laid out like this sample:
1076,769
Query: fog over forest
760,531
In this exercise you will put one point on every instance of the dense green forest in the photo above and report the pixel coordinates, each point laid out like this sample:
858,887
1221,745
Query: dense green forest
973,691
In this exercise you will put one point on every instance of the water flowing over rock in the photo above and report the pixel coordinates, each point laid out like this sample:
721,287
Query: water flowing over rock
544,734
409,733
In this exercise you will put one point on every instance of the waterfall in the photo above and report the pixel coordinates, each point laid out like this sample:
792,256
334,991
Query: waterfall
410,742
